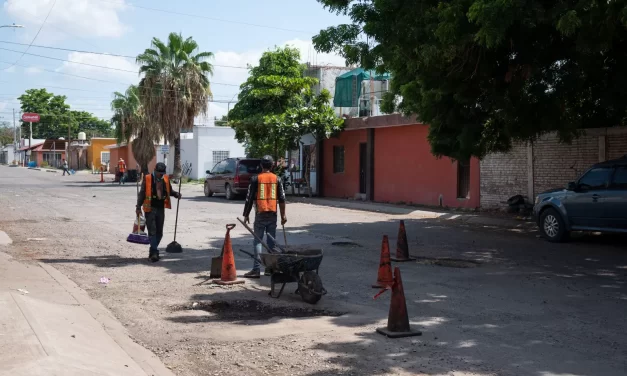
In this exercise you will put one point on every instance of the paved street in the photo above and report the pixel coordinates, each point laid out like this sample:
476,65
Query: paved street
512,304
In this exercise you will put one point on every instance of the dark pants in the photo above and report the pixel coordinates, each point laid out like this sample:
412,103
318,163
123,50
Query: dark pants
66,170
154,224
265,223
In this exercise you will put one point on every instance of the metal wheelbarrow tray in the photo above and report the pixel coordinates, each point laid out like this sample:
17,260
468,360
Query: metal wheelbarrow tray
296,265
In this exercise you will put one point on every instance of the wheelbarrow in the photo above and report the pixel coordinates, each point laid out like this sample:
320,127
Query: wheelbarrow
295,265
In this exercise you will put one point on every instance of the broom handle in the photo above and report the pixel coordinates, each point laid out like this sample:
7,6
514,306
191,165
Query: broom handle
176,221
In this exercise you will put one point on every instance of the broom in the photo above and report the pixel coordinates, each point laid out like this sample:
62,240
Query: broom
138,238
175,247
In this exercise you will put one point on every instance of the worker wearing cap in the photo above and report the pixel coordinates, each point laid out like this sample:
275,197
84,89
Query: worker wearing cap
154,198
121,170
265,192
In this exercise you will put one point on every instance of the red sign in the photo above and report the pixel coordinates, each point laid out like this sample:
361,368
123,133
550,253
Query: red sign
30,117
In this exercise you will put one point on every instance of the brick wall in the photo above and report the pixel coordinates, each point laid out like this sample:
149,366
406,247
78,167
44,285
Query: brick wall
555,164
504,175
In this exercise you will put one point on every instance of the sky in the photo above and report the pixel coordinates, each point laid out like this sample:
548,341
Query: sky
236,31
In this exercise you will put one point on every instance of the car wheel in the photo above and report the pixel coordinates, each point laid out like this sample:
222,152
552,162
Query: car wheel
208,192
552,226
230,195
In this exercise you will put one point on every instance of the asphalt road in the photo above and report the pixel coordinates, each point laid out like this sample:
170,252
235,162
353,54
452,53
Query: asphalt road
512,304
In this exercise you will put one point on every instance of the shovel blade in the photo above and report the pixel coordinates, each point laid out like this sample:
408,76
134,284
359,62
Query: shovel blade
216,267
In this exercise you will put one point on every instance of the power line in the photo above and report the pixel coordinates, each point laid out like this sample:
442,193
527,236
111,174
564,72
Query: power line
97,53
206,17
36,35
95,79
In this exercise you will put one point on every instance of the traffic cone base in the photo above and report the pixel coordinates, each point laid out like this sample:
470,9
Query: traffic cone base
384,276
398,319
228,274
402,247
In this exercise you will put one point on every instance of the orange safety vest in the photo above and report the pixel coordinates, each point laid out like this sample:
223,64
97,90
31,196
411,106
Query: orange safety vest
121,166
148,200
267,192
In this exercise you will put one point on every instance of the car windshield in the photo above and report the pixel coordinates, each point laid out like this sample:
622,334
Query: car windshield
249,167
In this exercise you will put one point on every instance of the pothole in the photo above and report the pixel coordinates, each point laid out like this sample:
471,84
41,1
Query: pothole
222,310
346,244
448,262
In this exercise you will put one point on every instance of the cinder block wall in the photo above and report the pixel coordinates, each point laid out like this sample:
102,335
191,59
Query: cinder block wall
529,169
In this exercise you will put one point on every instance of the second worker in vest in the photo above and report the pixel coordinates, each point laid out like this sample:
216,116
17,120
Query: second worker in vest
266,193
154,198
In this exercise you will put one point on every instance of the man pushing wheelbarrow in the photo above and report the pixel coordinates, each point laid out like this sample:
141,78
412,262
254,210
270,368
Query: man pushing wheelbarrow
266,193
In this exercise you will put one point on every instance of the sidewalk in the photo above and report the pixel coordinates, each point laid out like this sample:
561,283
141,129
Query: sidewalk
49,326
416,213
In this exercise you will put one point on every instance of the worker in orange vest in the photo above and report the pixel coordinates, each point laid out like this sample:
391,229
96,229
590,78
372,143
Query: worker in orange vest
154,198
265,192
121,170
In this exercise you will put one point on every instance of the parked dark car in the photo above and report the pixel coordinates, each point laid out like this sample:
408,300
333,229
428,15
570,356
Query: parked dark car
231,177
597,201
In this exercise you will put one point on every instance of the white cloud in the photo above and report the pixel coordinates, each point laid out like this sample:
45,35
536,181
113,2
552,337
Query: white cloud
32,70
121,69
84,18
11,69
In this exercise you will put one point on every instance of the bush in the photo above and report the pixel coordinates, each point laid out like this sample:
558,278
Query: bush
44,164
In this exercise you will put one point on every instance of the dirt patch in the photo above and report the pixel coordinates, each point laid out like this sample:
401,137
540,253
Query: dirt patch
222,310
448,262
346,244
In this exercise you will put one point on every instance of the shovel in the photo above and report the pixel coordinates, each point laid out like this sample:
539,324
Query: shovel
175,247
216,262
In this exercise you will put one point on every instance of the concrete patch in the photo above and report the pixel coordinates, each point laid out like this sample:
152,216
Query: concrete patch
5,239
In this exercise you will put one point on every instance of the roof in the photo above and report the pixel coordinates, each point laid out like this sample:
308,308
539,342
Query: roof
31,147
366,75
622,161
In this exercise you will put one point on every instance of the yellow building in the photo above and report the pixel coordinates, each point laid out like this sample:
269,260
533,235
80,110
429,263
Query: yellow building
97,155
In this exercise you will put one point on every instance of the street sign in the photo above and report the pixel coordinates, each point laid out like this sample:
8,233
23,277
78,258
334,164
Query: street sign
165,149
30,117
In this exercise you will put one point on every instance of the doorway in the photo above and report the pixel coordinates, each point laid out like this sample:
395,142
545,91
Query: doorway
362,167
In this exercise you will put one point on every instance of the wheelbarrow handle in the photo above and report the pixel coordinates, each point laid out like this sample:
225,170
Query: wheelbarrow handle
256,237
254,257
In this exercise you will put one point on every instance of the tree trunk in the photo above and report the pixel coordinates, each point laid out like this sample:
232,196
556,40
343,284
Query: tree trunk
177,157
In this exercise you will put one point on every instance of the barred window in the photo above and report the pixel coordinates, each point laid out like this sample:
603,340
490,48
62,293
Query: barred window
219,155
338,159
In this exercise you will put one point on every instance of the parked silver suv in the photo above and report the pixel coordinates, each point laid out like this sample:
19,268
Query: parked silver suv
597,201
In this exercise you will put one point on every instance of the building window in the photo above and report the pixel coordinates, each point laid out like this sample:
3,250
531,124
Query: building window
338,159
105,157
463,178
52,158
219,156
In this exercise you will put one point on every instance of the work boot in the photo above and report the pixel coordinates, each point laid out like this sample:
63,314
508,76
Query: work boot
252,274
153,255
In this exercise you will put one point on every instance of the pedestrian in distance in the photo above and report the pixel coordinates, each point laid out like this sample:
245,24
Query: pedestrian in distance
65,168
122,171
153,199
265,192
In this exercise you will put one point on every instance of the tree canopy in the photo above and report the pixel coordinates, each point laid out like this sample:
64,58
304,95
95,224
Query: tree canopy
56,115
272,104
485,73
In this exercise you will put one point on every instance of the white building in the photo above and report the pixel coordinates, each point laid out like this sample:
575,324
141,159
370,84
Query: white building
205,147
7,154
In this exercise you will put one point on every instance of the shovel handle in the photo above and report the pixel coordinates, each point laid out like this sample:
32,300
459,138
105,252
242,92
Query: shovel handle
230,226
256,237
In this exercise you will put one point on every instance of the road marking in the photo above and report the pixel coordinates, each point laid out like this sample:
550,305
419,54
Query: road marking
5,239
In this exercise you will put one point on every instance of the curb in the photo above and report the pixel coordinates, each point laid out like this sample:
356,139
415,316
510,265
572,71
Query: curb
412,212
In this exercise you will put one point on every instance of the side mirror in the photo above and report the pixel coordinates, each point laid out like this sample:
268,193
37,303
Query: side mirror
572,186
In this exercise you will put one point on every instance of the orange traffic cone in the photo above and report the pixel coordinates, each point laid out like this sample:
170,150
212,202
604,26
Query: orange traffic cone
229,273
384,277
398,320
402,248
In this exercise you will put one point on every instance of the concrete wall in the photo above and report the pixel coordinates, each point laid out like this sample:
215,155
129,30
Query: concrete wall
406,171
531,169
96,146
344,184
197,149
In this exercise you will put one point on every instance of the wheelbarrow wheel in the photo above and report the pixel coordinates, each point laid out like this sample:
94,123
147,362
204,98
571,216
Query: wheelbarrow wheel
310,287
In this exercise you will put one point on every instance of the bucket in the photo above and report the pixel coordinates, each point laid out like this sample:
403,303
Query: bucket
142,225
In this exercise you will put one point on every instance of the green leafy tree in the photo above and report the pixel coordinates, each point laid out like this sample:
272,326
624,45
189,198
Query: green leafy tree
54,113
275,87
485,73
175,88
130,123
6,133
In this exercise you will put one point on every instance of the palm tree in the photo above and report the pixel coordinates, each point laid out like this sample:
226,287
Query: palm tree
175,87
130,123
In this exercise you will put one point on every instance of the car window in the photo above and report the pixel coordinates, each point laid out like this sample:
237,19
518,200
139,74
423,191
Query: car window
249,167
620,178
597,178
230,166
219,168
